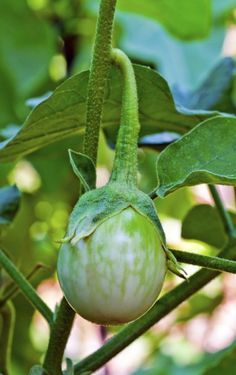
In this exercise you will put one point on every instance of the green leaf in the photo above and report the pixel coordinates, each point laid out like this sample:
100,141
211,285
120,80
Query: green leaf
203,223
225,363
84,169
146,41
27,48
184,19
9,204
63,113
175,205
211,92
7,97
204,155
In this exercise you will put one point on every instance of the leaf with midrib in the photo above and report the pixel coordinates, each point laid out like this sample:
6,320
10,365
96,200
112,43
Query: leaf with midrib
206,154
63,113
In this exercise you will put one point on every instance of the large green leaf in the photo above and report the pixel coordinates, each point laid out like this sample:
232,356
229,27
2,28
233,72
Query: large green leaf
27,43
63,113
214,92
184,19
203,223
147,41
204,155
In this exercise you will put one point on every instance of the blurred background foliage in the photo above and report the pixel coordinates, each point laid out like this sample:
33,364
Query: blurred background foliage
43,42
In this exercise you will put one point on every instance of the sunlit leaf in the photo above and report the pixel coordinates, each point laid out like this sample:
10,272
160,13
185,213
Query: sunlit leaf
204,155
188,20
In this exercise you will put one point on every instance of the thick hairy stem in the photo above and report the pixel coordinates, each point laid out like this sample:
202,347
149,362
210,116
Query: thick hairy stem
25,287
213,263
60,332
161,308
99,71
7,322
125,163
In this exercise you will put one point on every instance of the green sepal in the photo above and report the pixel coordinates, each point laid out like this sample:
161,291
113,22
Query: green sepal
173,265
145,206
83,168
98,205
92,209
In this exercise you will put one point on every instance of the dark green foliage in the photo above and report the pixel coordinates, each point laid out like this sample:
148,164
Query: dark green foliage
9,204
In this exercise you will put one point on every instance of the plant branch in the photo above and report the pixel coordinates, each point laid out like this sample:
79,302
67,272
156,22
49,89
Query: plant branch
25,287
225,217
213,263
161,308
60,332
7,316
100,67
12,290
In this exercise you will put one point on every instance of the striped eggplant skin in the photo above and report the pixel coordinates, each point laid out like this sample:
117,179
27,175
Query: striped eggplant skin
114,275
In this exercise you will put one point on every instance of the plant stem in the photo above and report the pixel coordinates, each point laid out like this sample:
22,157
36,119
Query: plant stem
213,263
161,308
60,332
100,67
12,290
26,288
125,163
99,71
225,217
7,315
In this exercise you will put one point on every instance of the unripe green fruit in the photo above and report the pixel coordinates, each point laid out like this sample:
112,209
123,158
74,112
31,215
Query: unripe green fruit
115,274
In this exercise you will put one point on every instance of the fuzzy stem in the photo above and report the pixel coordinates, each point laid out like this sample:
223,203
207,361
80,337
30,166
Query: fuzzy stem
99,71
7,316
161,308
213,263
125,162
225,217
60,332
100,67
25,287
